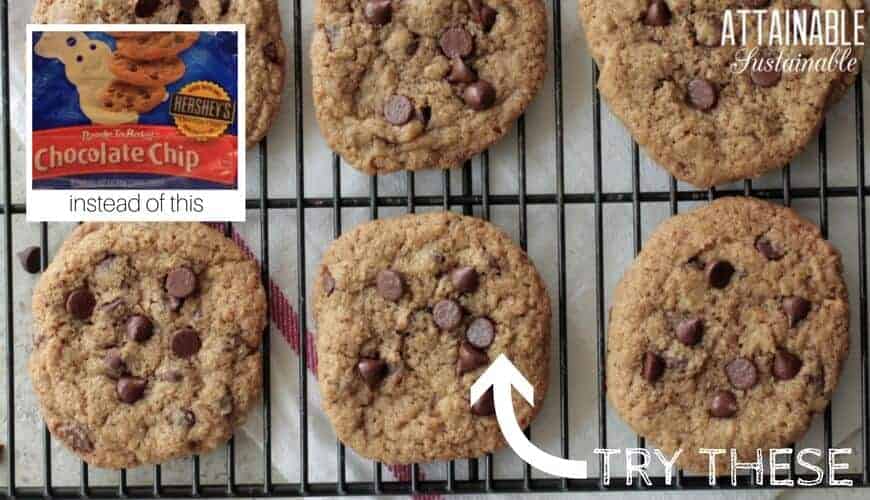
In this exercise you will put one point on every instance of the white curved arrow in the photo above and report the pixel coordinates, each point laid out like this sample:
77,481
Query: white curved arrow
501,376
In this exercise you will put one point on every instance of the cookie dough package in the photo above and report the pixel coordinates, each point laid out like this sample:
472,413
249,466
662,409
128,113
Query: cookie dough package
136,110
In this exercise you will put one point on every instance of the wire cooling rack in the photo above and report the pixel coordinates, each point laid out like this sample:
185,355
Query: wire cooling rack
479,477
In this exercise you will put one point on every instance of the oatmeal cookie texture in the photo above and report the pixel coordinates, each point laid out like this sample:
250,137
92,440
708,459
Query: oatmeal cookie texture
265,51
410,311
413,84
665,74
728,331
146,342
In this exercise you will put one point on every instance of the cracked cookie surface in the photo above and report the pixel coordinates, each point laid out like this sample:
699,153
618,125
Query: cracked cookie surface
265,51
146,342
410,311
728,331
413,84
665,74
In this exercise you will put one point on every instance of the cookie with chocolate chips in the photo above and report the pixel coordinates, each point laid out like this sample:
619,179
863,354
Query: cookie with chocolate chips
728,331
265,49
666,75
413,85
410,311
146,342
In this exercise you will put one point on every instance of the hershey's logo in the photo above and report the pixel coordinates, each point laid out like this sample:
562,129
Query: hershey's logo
202,107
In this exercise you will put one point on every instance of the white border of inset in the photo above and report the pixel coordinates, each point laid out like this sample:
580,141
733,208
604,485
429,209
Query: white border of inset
44,205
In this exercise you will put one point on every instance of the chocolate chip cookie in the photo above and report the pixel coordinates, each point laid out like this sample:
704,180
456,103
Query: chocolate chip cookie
728,331
155,46
413,85
120,96
158,73
265,51
667,76
146,342
410,311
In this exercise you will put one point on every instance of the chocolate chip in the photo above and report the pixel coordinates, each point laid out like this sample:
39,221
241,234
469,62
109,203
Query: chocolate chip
461,72
270,51
171,376
130,389
723,404
742,373
139,328
328,282
757,4
184,418
485,406
718,273
76,435
465,279
424,114
378,12
225,6
480,333
398,109
80,303
786,365
185,343
470,358
657,14
180,282
689,331
479,95
412,46
702,94
653,366
31,259
765,76
114,364
485,16
766,248
448,314
390,285
372,371
456,42
184,17
189,4
146,8
796,308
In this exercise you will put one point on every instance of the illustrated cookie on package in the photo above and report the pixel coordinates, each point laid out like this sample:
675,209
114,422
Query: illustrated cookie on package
155,46
159,72
411,85
146,342
121,96
410,311
668,76
729,331
265,49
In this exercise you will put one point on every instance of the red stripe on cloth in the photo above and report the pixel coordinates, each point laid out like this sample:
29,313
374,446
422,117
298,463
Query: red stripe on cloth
285,318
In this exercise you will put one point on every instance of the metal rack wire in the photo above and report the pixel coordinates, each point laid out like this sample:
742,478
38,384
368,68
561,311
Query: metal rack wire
477,481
